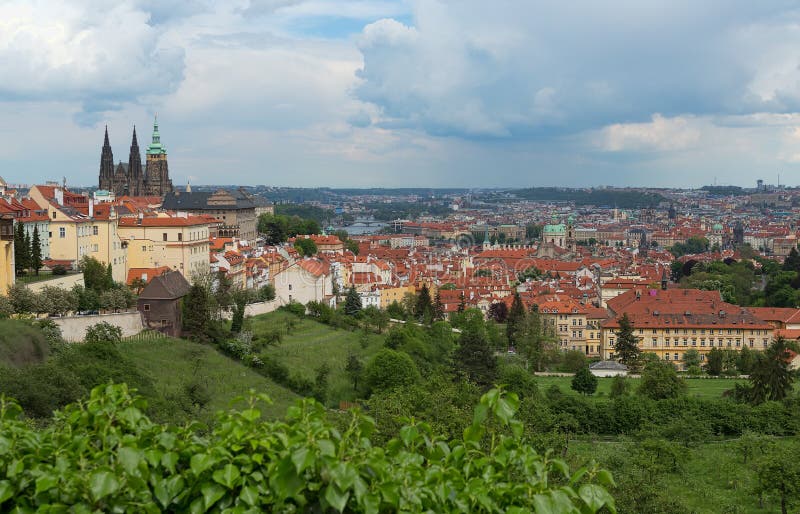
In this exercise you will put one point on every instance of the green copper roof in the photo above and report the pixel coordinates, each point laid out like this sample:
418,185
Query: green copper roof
551,229
716,226
156,148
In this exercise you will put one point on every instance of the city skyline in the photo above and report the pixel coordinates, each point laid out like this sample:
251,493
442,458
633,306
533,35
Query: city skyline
417,94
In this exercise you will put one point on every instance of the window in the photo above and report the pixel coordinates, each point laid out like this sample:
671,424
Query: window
164,236
290,287
146,307
95,230
180,236
666,356
676,357
54,214
144,248
94,248
62,232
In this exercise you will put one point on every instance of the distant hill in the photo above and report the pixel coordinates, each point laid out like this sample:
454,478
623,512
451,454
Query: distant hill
624,199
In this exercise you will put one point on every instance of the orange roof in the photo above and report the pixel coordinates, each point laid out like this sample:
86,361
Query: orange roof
152,221
314,266
146,274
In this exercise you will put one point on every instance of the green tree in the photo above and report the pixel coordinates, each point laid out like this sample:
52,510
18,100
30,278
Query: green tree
23,300
36,251
305,246
239,305
778,472
626,347
473,356
514,320
584,382
714,362
94,274
103,332
792,262
462,302
352,303
771,379
21,249
197,312
438,308
660,381
353,367
535,342
423,309
389,369
620,386
691,358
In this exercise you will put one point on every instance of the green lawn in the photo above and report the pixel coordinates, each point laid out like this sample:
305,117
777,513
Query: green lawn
310,344
172,363
700,387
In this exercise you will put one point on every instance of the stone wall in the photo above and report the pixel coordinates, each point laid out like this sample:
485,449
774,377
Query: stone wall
73,328
63,281
254,309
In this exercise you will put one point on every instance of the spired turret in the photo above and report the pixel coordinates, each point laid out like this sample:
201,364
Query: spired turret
157,179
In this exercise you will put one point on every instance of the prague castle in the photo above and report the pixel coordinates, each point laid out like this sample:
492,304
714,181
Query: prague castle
133,178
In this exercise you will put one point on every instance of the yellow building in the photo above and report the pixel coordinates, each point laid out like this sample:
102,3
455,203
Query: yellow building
391,294
670,322
79,228
181,243
566,318
6,254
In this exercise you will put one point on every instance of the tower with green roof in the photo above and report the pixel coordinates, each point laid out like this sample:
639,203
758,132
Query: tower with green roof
157,178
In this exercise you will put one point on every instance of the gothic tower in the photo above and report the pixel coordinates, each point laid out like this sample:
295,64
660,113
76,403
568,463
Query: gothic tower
135,179
157,181
106,166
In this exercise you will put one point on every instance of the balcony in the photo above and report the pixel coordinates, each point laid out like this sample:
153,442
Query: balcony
6,229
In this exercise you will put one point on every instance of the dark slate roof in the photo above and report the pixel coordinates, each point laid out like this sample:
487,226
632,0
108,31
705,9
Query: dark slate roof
609,365
198,200
169,286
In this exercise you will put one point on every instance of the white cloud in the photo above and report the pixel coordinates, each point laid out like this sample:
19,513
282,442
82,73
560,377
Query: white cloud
658,134
78,52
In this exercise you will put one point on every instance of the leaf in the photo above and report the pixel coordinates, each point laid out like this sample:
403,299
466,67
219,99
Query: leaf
129,458
302,458
103,483
211,493
201,462
326,447
226,476
336,498
249,495
45,483
6,490
604,477
594,496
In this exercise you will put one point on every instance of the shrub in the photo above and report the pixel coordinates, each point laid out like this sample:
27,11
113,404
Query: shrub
103,332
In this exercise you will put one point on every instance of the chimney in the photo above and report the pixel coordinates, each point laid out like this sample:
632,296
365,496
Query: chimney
91,208
59,193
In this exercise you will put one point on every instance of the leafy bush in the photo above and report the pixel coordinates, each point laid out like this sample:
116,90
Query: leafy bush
103,332
302,463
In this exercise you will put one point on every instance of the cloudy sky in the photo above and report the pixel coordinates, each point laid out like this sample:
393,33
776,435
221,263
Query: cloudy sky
373,93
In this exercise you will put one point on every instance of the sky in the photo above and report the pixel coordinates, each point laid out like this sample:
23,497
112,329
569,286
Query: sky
414,93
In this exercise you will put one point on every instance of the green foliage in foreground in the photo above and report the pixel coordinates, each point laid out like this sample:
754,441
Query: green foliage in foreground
106,455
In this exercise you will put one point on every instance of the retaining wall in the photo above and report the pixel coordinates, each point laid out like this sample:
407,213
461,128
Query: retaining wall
73,328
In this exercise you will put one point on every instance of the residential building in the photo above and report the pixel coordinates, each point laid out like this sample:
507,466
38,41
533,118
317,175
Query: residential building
304,281
160,303
566,319
179,242
670,322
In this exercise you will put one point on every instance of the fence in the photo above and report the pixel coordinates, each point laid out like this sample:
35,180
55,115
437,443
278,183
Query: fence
146,335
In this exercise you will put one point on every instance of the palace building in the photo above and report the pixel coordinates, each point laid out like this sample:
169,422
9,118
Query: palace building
133,178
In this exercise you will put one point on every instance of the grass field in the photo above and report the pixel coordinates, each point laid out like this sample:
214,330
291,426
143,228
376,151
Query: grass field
310,344
700,387
711,479
172,363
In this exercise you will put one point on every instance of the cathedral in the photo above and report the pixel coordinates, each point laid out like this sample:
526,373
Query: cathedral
133,178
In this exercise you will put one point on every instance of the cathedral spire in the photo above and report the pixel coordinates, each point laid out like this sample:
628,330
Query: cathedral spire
106,164
135,178
105,141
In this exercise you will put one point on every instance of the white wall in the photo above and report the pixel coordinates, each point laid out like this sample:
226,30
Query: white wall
73,328
64,282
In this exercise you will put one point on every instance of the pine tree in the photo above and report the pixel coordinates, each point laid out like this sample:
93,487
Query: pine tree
626,347
196,312
462,302
473,356
423,307
438,308
237,322
584,382
771,378
19,249
109,279
514,320
792,262
352,303
36,251
27,251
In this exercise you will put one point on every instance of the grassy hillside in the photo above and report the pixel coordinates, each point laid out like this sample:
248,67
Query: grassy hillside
309,344
173,363
21,344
